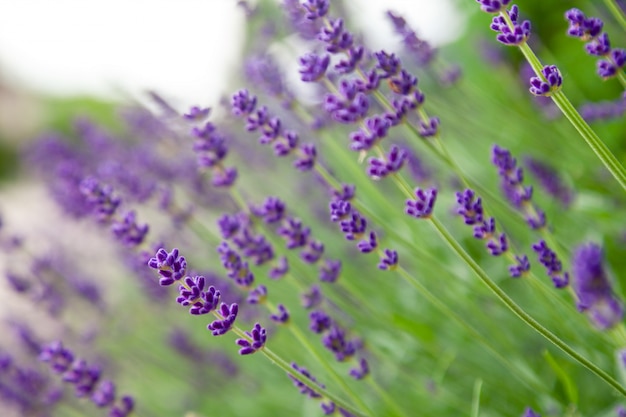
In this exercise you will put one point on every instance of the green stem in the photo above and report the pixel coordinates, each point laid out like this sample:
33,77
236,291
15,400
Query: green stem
617,13
592,139
519,312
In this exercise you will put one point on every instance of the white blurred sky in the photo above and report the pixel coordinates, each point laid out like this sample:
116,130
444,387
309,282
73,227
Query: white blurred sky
184,49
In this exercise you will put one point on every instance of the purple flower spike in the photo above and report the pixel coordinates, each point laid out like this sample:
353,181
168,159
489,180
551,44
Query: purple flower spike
528,412
257,295
281,316
229,314
362,371
100,197
313,67
281,268
126,406
354,226
316,8
191,290
313,252
376,128
521,267
346,193
128,231
83,376
581,26
258,335
171,266
59,358
335,341
493,6
497,247
319,321
306,157
304,389
224,177
553,265
593,289
427,129
272,210
507,36
330,270
104,395
197,114
335,36
339,210
387,65
404,83
470,207
552,83
389,261
313,298
229,225
368,245
600,46
243,103
422,206
294,232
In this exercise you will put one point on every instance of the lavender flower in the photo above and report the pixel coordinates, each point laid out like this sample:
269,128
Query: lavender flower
554,267
257,295
313,67
330,270
319,321
258,336
362,371
528,412
282,316
422,206
516,35
229,314
128,231
493,6
171,266
304,389
593,289
368,245
549,82
388,261
312,298
582,27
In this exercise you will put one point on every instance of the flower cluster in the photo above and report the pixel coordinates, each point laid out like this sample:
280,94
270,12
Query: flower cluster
589,30
86,380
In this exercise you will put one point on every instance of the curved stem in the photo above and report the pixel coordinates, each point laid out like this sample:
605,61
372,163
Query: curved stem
519,312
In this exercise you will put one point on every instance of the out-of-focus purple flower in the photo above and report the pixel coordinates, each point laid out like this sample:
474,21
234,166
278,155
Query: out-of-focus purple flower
593,289
582,27
83,376
511,36
313,67
551,262
388,261
528,412
339,210
379,168
312,252
104,395
101,198
422,206
353,226
349,106
123,408
294,232
335,341
549,180
521,266
312,298
243,103
419,49
272,210
362,371
604,110
368,245
307,155
403,83
128,231
281,316
493,6
335,36
258,335
59,357
319,321
374,129
549,82
304,389
197,114
330,270
258,295
599,46
316,8
387,65
280,269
